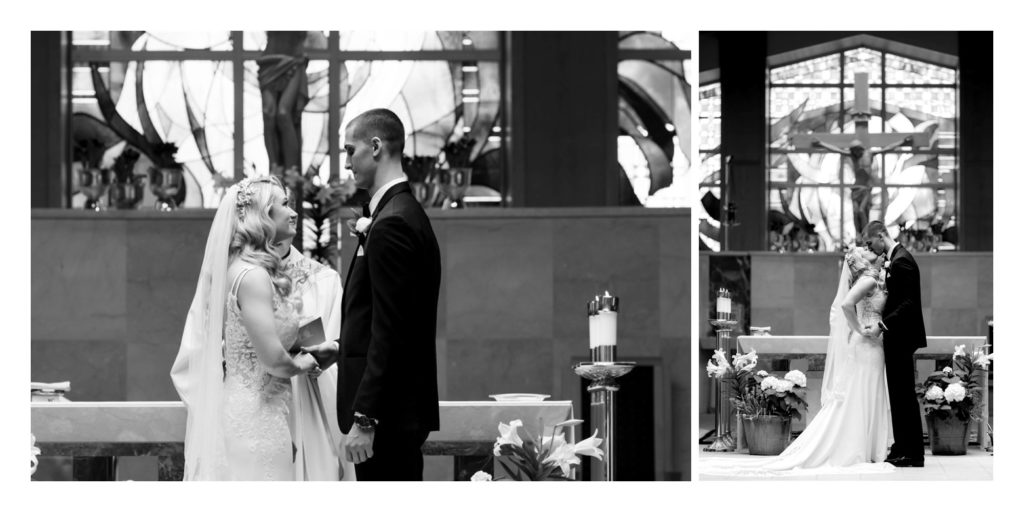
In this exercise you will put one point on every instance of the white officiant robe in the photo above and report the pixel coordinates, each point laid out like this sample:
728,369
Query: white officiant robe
316,458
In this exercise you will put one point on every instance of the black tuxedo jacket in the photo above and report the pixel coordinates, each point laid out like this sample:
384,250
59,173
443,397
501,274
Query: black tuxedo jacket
388,360
902,313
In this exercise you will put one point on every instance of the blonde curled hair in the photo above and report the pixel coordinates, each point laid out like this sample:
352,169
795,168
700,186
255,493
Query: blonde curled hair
861,265
253,237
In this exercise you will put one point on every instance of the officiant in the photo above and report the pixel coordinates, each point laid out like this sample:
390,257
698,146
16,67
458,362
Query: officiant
314,420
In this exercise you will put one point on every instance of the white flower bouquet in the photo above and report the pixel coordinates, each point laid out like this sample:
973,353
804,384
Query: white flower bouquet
956,390
759,393
549,458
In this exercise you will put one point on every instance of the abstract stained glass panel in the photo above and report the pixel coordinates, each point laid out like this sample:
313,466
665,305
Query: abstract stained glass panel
191,103
144,103
819,198
654,121
709,191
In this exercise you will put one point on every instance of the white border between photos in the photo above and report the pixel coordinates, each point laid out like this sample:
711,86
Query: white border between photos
19,18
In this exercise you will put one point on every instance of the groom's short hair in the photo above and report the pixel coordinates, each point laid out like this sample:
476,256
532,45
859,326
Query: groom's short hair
873,229
384,124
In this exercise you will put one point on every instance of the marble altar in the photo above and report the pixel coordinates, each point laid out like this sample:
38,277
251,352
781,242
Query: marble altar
106,430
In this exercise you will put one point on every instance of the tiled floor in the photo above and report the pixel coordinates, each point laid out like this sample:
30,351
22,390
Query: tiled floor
976,465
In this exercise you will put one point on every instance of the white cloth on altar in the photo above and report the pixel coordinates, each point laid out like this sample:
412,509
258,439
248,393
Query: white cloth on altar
319,451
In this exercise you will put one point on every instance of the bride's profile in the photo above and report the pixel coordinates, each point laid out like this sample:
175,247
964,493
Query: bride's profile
233,366
852,431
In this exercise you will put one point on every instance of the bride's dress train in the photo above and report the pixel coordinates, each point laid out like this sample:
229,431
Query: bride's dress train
852,431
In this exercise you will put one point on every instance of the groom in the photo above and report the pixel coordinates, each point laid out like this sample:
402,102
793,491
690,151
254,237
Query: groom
387,383
902,332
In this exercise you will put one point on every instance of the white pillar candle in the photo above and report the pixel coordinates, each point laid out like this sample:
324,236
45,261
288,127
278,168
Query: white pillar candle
592,318
606,323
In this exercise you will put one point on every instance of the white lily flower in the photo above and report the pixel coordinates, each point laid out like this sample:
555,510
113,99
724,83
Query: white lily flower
509,434
35,451
589,447
958,351
564,457
481,476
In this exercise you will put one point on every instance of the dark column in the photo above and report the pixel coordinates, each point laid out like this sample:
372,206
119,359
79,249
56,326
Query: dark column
48,130
742,58
975,223
564,119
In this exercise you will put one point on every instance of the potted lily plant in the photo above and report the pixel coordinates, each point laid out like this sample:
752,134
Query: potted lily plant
952,398
526,458
765,403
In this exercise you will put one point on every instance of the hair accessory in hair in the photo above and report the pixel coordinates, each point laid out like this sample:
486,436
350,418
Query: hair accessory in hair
244,197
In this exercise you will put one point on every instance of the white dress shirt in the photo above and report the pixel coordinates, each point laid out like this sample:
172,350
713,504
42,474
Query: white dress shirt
375,200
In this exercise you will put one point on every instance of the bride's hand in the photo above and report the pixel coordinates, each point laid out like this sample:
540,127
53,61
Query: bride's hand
307,364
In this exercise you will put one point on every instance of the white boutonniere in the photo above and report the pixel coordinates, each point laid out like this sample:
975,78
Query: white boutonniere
363,225
359,227
886,264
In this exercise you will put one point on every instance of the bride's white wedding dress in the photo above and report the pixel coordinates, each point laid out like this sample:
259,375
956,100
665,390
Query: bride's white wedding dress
257,438
852,431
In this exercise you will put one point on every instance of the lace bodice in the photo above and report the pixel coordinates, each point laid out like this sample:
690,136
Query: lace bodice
239,354
869,309
256,404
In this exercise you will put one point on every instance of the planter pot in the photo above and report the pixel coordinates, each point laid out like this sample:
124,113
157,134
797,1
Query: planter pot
948,436
767,435
168,185
126,196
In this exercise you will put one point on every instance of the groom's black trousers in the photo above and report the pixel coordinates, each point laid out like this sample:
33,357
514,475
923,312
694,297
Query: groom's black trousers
906,414
397,456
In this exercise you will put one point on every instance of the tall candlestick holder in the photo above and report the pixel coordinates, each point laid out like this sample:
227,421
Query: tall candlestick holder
602,371
602,390
724,322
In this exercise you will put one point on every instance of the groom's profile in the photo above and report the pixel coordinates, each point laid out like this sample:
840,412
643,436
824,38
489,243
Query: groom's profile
387,382
902,333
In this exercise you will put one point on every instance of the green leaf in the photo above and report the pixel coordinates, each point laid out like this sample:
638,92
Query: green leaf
511,473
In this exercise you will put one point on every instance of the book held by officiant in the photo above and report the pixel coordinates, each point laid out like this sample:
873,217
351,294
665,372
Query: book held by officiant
310,335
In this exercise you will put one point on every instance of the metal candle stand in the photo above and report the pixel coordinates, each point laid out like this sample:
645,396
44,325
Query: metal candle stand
723,442
602,372
602,390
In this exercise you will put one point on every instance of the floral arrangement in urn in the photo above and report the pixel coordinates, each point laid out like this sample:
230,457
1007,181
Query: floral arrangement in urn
952,398
766,404
549,458
761,393
956,391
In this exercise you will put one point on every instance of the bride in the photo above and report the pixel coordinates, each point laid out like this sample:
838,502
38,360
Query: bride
233,368
851,432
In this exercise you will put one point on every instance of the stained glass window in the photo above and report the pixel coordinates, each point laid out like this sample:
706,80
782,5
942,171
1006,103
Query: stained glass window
136,89
819,199
654,117
708,204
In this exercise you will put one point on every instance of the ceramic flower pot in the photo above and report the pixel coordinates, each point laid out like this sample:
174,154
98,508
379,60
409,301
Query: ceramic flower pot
767,435
948,436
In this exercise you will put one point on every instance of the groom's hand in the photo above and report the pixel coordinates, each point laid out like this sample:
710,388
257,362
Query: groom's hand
358,445
325,353
873,331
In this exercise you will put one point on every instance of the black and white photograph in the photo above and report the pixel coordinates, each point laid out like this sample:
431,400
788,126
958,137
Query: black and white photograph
845,256
361,255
